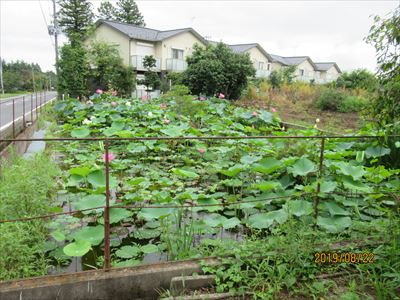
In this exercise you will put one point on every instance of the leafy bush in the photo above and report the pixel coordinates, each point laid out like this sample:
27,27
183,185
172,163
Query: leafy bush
107,70
353,104
357,79
25,190
330,99
217,69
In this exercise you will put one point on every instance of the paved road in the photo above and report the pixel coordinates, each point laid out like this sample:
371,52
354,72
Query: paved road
6,107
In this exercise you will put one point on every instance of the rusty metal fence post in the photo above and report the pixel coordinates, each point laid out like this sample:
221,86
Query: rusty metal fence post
107,260
23,111
13,117
31,108
36,104
320,169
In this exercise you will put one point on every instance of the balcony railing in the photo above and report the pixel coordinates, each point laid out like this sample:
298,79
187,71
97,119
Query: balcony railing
176,65
263,73
137,63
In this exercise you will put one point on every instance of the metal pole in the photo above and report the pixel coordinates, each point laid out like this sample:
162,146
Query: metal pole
36,106
56,40
31,108
13,114
107,261
321,164
23,111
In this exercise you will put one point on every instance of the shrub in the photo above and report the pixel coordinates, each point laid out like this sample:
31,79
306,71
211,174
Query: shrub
357,79
330,99
25,190
353,104
217,69
108,71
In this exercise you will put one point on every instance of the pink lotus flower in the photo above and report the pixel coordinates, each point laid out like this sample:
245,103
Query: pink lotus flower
201,151
144,98
221,96
114,93
202,98
99,91
167,121
163,105
111,157
273,110
77,97
254,114
114,104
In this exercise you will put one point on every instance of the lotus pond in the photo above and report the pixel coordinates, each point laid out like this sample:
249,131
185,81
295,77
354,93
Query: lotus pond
237,188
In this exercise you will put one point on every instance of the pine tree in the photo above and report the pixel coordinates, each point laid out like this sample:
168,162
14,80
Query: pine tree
128,12
107,11
75,18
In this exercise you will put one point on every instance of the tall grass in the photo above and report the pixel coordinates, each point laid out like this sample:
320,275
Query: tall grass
26,188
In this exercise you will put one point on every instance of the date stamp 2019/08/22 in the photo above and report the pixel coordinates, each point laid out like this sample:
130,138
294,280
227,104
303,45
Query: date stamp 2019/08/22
343,257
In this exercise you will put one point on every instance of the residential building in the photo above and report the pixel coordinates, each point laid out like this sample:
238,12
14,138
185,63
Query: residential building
327,72
261,59
169,47
305,67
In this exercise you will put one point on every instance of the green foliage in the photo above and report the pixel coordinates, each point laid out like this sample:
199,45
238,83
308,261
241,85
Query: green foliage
282,76
19,75
357,79
73,68
108,70
75,18
126,11
330,99
217,69
338,100
26,188
353,104
151,79
107,11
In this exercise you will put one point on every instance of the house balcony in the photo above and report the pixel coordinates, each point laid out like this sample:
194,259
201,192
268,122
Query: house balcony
137,63
262,73
176,65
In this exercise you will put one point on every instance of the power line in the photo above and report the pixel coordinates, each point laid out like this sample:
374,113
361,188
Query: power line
45,21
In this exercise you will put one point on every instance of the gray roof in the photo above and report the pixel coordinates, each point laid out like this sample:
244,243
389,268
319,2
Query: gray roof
147,34
241,48
292,60
325,66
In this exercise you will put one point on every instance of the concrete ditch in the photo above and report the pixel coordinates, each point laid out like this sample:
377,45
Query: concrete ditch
140,282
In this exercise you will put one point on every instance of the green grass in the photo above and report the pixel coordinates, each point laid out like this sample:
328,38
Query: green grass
25,190
8,95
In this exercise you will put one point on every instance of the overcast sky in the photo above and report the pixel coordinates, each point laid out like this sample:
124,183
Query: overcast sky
323,30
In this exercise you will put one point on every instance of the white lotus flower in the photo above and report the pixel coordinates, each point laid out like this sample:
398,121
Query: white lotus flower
150,114
128,103
86,122
316,120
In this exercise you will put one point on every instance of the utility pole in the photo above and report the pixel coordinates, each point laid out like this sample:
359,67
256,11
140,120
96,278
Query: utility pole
33,79
54,31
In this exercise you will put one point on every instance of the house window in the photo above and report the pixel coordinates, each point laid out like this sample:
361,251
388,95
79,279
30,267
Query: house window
269,67
261,65
177,54
301,71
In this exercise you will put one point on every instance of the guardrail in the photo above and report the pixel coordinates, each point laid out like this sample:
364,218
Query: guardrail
17,113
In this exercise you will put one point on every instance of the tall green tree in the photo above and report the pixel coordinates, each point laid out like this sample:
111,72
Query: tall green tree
151,79
73,70
125,11
107,11
128,12
217,69
108,70
357,79
75,18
